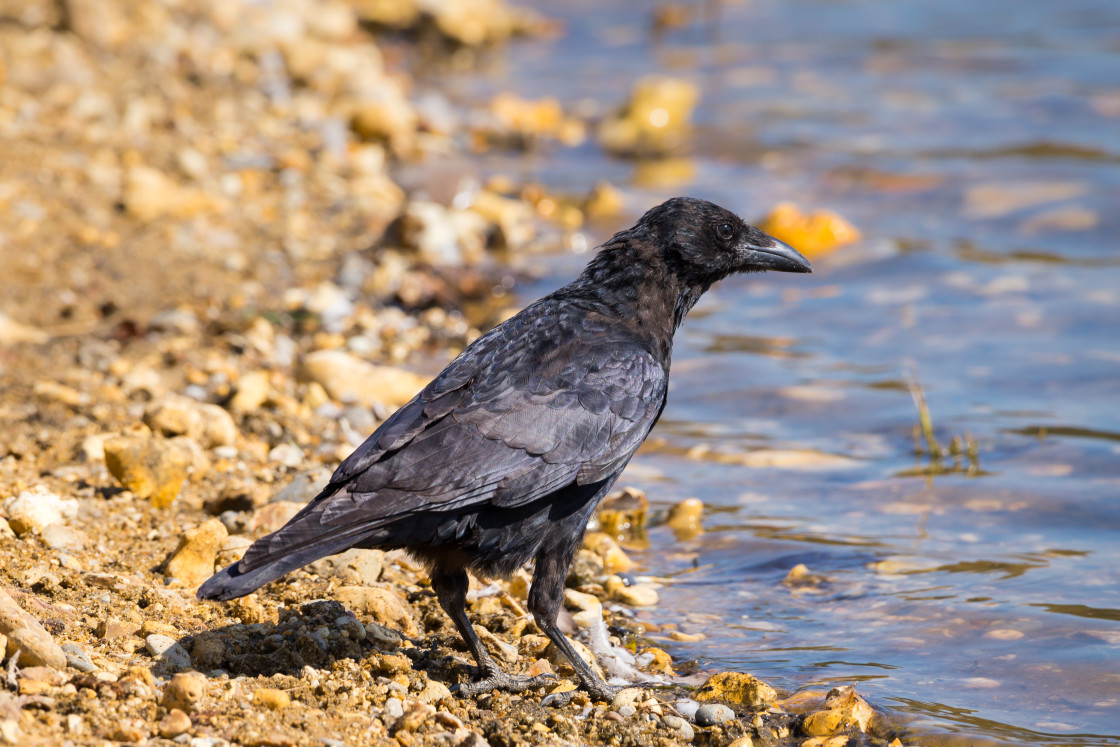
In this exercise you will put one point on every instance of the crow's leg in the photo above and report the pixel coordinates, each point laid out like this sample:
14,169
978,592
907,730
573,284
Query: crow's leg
545,598
451,589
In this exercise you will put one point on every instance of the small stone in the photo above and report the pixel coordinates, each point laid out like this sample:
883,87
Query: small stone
205,423
615,559
684,518
151,468
130,730
111,629
252,392
433,692
174,723
26,634
350,379
286,455
505,652
635,595
272,699
150,194
304,486
355,566
685,731
168,651
184,691
384,606
158,627
742,742
76,658
9,729
413,717
654,121
32,511
62,537
813,234
13,333
629,696
192,562
736,687
383,637
271,516
713,713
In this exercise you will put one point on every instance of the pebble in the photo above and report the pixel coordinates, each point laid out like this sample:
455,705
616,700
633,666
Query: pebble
176,722
184,691
12,332
205,423
627,711
384,606
636,595
272,699
355,566
25,634
153,469
111,629
684,518
62,537
304,486
615,559
168,651
736,687
286,455
713,713
678,724
252,392
192,562
32,511
655,119
78,659
392,711
348,378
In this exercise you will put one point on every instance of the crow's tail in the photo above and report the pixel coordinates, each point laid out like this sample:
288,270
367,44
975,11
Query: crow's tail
308,536
237,580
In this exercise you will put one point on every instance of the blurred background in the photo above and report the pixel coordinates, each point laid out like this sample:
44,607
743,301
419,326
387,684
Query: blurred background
910,460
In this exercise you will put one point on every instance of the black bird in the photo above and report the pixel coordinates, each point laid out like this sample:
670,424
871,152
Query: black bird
503,457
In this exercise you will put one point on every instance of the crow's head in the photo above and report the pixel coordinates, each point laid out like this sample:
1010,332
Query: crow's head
702,242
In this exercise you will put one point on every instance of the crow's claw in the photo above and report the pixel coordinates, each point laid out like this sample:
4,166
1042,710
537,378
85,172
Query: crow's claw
510,683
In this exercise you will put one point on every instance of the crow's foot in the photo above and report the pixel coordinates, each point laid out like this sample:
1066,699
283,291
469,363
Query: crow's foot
510,683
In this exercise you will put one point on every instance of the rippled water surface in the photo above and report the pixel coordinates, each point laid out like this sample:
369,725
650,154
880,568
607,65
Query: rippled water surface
977,146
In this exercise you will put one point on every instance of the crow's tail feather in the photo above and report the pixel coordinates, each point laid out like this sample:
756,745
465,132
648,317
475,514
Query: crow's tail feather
236,581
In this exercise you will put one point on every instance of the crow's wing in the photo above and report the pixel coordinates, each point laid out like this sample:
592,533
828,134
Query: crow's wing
556,395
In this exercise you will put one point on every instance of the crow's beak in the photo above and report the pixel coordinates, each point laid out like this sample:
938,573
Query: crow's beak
775,256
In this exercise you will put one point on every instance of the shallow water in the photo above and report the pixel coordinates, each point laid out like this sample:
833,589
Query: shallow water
977,146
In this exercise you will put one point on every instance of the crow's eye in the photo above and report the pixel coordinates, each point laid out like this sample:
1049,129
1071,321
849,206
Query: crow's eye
725,231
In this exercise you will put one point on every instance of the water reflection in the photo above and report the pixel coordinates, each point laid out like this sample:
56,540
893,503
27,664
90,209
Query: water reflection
975,147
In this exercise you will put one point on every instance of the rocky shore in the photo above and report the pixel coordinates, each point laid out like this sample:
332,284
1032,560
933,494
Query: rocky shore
216,282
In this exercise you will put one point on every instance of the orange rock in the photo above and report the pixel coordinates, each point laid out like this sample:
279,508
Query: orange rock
812,234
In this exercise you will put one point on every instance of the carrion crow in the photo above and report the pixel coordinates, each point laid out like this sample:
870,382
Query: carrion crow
503,457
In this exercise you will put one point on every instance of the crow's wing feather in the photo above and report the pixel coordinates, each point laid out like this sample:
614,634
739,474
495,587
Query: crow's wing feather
553,396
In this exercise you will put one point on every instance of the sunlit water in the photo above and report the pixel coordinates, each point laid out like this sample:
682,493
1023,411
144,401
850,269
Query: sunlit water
977,146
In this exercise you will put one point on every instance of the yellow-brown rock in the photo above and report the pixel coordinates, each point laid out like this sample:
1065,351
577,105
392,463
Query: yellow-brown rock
845,709
272,699
203,422
173,724
150,194
151,468
738,688
615,559
654,121
192,562
684,518
812,234
384,606
348,378
184,691
25,634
